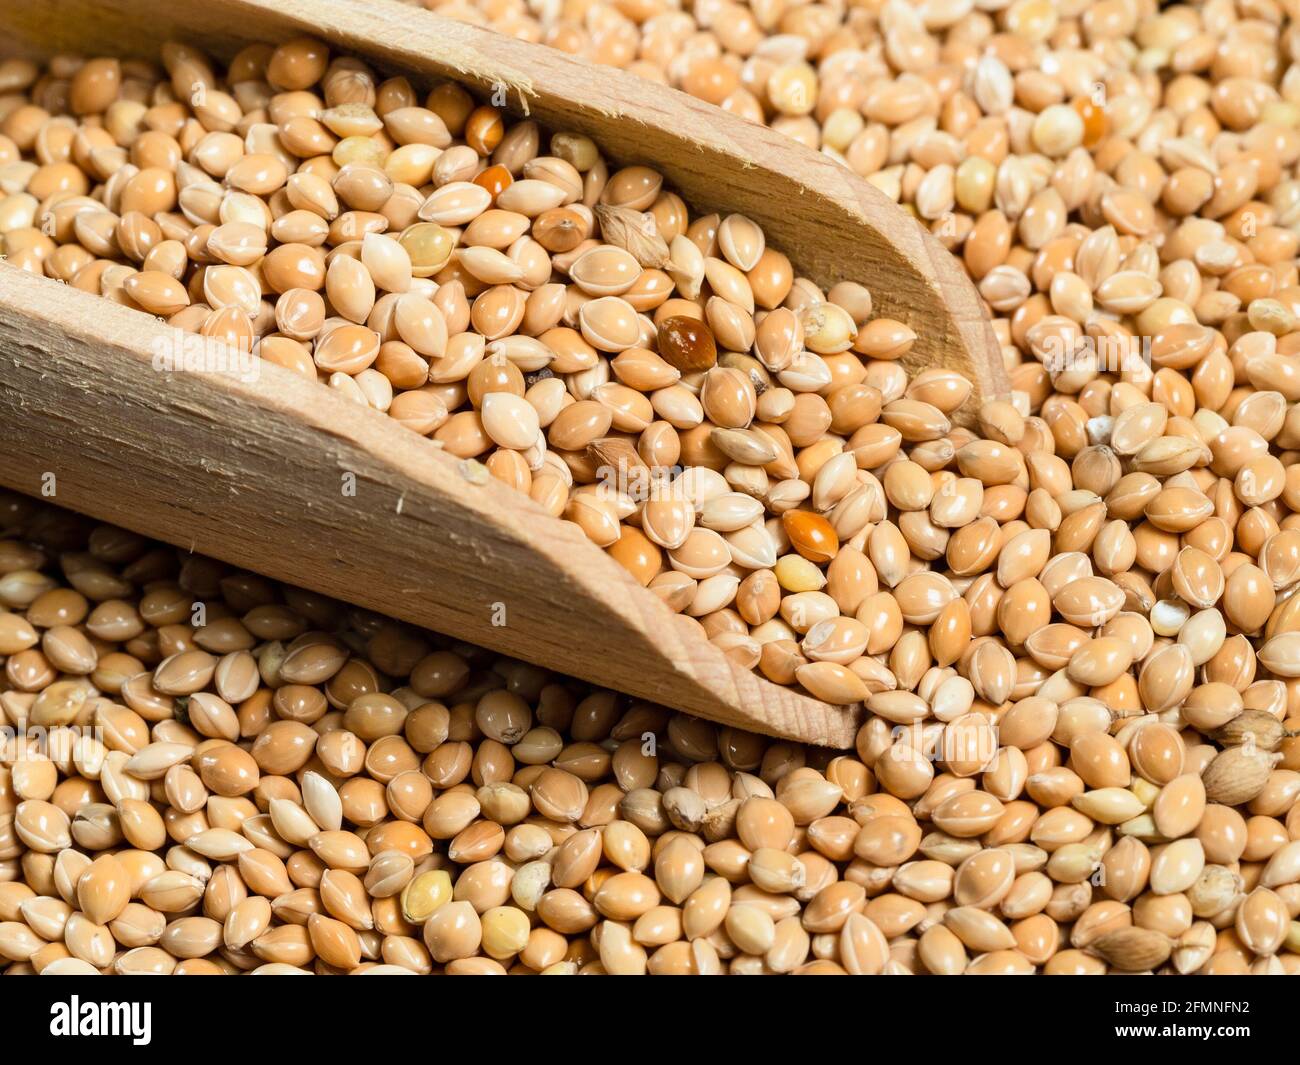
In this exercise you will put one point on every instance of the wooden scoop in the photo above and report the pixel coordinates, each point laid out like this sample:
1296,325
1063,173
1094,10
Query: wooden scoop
283,476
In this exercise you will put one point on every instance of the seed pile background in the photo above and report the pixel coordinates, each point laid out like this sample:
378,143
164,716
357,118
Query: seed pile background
297,785
1074,627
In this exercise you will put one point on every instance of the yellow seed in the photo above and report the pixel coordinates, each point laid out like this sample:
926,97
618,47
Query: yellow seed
423,896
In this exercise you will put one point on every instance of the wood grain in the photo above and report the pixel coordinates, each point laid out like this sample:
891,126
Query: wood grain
253,471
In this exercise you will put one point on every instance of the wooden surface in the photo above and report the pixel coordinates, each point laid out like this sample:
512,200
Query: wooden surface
252,472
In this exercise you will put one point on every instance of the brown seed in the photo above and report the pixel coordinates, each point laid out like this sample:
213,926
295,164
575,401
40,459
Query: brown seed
687,344
1133,949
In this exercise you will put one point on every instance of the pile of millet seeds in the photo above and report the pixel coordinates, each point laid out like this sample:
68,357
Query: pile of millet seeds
1073,629
204,771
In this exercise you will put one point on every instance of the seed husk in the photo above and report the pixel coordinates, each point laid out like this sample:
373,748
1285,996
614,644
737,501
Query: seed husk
1237,775
1251,728
630,230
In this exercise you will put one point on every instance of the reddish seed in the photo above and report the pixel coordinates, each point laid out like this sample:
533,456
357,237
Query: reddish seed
687,344
1094,121
496,179
811,535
